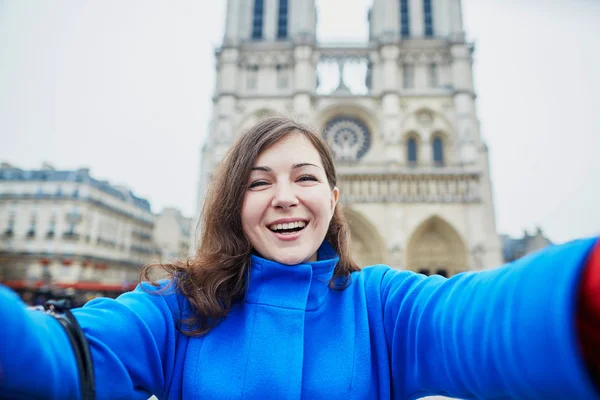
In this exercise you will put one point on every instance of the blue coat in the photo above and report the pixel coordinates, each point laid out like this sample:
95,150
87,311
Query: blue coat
502,333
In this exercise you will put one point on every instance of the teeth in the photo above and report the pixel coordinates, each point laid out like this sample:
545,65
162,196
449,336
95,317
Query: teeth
290,225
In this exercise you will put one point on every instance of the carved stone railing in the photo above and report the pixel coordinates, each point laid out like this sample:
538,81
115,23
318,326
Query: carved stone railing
347,66
410,188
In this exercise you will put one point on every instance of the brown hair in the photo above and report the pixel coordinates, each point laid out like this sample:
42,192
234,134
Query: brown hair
213,280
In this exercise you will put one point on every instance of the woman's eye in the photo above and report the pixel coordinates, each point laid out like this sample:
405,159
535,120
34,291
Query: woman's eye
257,184
307,178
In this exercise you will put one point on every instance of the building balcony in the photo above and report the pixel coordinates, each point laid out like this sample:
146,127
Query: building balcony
70,235
106,242
142,250
141,235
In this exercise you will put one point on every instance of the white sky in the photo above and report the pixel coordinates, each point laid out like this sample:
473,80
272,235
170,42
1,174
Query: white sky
124,88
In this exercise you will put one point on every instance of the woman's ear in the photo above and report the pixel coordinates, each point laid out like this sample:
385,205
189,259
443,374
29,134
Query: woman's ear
335,195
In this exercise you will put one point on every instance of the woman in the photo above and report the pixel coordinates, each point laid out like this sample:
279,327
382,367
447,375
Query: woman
272,306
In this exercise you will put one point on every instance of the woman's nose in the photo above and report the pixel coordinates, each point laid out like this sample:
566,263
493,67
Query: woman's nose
284,196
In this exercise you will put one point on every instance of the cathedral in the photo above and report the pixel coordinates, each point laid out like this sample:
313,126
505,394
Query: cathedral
398,112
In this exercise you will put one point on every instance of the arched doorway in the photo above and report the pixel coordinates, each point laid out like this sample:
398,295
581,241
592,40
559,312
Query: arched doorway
366,246
436,248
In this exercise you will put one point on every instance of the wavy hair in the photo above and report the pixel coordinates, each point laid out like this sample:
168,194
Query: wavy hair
214,278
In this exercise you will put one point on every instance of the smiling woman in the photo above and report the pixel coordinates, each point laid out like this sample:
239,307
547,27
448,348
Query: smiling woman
272,306
277,173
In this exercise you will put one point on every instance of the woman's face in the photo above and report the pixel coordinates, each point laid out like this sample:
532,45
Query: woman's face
288,204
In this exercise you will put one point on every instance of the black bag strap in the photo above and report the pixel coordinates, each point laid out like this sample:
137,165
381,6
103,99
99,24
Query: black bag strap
60,309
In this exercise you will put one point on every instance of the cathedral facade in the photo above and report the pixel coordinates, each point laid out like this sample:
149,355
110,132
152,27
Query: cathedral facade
398,112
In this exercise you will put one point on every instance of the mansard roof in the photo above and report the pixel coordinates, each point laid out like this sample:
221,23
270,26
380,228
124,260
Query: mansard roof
10,173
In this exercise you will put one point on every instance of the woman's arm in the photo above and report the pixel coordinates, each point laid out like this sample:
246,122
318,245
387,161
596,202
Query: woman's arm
504,333
132,342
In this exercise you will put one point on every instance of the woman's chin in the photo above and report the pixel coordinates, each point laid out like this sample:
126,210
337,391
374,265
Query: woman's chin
293,259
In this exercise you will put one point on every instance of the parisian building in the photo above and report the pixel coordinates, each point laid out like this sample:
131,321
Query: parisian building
398,112
63,232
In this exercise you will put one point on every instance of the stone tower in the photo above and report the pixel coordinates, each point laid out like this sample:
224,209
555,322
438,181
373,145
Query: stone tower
398,112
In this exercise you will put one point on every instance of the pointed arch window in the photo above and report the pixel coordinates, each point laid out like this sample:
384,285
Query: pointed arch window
411,148
257,19
428,18
404,19
282,21
438,151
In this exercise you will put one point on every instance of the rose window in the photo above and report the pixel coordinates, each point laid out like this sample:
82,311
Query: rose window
348,137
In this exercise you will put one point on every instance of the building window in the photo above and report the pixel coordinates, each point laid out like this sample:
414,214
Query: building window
32,223
282,76
10,228
411,148
408,76
257,19
433,75
404,19
428,18
251,77
438,152
52,226
282,24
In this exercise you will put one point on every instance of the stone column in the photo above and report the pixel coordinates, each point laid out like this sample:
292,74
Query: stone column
227,72
231,37
305,81
390,103
302,20
467,126
457,33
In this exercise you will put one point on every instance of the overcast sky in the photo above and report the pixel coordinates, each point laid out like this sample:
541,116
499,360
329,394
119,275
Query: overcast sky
124,88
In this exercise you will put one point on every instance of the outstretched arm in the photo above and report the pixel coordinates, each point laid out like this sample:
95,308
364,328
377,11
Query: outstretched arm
510,332
132,342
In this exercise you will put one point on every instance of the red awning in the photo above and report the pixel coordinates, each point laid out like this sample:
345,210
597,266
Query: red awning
83,286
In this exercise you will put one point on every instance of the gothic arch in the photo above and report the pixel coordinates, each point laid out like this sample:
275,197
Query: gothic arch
367,247
436,247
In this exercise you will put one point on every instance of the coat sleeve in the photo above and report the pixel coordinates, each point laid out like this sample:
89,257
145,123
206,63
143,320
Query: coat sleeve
509,332
132,342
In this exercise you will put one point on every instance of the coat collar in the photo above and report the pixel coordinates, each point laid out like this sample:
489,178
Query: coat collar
300,287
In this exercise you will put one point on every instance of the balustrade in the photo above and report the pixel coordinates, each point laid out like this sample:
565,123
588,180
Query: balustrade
410,188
